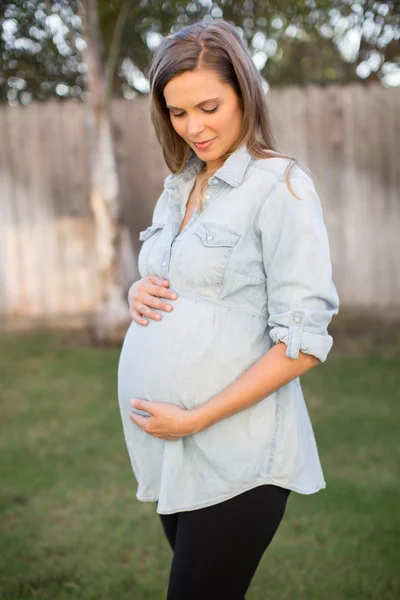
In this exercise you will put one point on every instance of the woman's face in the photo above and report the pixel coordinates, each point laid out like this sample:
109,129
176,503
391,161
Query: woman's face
202,108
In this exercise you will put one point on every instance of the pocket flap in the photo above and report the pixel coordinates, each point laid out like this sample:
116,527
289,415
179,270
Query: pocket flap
146,233
213,234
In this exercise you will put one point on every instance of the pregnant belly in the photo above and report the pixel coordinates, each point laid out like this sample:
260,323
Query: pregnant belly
190,355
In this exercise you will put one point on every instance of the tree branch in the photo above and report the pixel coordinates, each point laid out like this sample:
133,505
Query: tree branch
114,48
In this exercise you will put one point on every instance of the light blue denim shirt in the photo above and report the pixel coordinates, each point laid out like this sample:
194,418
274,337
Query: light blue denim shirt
250,270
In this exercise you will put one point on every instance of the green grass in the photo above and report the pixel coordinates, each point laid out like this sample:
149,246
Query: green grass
71,526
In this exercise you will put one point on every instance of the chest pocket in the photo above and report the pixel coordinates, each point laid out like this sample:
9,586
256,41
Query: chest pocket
206,255
148,259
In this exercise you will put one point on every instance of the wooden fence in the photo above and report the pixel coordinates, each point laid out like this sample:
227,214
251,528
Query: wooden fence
348,136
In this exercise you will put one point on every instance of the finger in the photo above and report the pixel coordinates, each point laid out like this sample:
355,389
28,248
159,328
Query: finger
158,280
154,290
146,311
154,301
142,405
139,420
138,318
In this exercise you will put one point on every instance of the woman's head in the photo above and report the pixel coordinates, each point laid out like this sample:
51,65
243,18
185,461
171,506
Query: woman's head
201,108
208,62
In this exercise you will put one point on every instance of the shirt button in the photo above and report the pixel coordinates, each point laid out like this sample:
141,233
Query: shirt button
210,237
164,263
207,197
296,317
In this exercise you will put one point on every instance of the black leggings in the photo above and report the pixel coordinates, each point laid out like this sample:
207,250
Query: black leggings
217,548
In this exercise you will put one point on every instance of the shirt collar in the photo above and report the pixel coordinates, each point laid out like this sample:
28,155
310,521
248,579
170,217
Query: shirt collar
232,171
192,167
234,168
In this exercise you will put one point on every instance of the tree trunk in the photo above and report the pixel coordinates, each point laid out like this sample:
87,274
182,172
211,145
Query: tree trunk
111,316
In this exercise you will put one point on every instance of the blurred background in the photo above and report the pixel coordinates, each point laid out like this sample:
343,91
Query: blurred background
80,173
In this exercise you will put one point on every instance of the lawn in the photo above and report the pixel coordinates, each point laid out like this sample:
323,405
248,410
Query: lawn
71,526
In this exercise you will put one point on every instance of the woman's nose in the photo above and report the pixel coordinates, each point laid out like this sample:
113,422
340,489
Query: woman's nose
194,127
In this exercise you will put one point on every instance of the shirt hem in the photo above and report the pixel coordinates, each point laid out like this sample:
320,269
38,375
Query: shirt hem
219,499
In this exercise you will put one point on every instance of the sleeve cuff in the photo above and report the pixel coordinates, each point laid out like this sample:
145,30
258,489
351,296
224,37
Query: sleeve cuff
297,339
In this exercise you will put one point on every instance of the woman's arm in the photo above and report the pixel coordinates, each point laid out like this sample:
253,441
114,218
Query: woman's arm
273,370
171,422
301,299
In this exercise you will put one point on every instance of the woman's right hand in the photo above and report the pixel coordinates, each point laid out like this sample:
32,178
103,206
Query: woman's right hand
146,293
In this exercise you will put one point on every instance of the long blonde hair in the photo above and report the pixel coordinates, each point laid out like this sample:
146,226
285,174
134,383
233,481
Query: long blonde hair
216,46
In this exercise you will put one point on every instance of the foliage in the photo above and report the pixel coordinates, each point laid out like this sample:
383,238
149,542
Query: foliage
292,42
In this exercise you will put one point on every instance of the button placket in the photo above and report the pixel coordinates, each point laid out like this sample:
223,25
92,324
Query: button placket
178,249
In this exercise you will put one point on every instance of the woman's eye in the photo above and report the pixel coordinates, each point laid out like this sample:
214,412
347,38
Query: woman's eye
203,109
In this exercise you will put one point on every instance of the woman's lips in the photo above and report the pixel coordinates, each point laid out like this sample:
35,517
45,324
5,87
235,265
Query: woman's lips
204,145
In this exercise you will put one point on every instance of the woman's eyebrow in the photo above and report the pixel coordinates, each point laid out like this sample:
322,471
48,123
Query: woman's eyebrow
197,105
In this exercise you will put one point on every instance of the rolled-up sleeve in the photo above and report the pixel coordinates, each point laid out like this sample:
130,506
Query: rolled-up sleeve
302,298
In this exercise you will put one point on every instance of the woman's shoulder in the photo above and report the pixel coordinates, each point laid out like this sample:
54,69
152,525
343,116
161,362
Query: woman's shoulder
278,165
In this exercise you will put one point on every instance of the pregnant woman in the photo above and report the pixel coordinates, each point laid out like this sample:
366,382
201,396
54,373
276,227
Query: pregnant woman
232,307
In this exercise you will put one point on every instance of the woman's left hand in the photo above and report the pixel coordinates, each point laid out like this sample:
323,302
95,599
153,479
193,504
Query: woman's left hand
167,421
